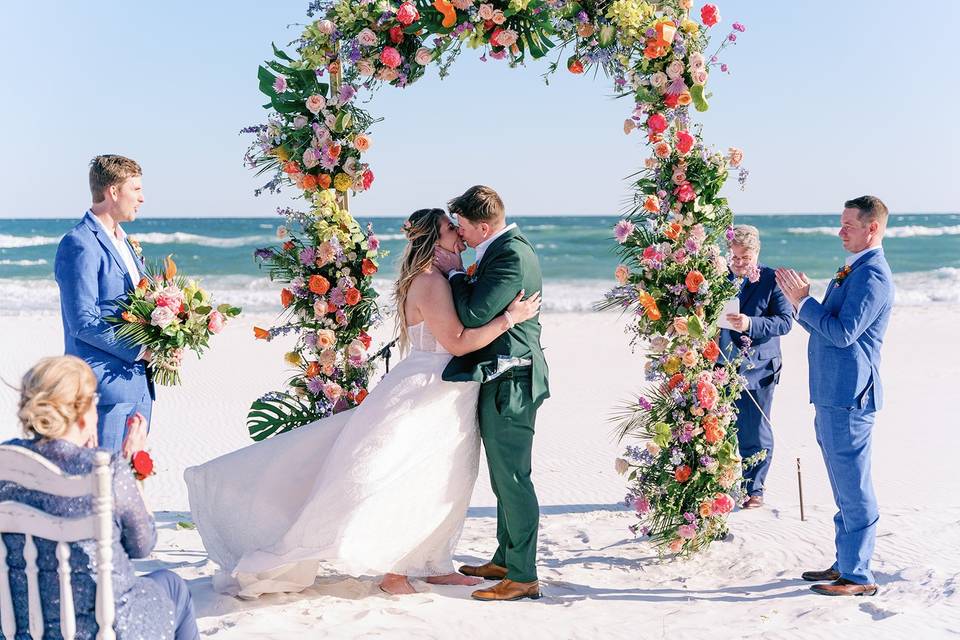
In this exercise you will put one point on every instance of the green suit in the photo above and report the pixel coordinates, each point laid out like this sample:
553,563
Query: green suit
510,393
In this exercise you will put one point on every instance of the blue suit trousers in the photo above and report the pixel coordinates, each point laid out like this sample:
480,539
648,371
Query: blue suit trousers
844,436
112,421
755,434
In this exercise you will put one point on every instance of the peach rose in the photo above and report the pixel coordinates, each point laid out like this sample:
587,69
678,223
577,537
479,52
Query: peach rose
361,143
680,325
661,150
365,67
707,395
694,280
333,391
706,509
689,358
622,274
328,357
315,103
326,339
734,156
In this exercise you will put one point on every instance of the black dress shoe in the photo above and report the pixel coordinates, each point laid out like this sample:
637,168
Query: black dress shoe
821,576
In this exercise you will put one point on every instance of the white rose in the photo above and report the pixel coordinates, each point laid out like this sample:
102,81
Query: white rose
423,56
675,69
162,317
507,38
350,167
326,27
659,79
367,38
330,120
696,61
365,67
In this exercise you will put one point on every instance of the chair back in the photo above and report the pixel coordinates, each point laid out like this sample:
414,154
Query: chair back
34,472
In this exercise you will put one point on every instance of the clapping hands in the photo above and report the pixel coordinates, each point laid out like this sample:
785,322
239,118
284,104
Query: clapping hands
794,285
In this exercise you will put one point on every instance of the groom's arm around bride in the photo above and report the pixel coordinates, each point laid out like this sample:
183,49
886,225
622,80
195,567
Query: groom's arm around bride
513,373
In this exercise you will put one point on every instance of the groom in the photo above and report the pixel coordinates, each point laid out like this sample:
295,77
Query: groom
96,265
846,333
513,374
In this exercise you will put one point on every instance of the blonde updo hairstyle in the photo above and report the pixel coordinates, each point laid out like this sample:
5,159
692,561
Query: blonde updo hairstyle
422,230
54,394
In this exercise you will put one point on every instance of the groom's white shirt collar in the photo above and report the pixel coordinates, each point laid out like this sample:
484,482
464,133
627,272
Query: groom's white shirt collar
483,246
856,256
119,240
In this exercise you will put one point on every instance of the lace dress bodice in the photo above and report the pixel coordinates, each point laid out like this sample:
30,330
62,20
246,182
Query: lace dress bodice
422,340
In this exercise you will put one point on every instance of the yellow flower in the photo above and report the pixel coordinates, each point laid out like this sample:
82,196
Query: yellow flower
292,358
631,17
672,365
342,182
689,26
282,153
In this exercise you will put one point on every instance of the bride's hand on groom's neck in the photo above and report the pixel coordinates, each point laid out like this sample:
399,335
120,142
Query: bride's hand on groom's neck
446,261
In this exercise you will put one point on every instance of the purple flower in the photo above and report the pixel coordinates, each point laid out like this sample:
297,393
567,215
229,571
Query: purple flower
308,256
346,93
732,37
373,243
724,67
280,84
623,230
689,517
739,27
644,403
315,385
341,317
263,254
337,297
730,234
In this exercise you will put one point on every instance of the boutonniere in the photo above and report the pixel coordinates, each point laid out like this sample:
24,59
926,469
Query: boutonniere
137,249
842,273
472,269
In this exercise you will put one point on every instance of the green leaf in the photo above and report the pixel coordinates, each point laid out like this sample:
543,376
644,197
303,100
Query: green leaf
185,524
695,327
699,100
279,414
280,53
663,435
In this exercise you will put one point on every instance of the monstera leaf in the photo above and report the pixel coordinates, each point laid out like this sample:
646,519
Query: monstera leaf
279,413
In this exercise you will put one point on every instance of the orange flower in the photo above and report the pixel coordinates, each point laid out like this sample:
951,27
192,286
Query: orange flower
651,204
331,308
675,381
706,509
323,181
286,298
352,295
684,98
674,230
334,150
694,280
291,167
129,317
682,473
170,268
711,351
367,267
143,284
288,245
334,67
361,143
472,269
260,334
313,370
309,182
666,31
361,395
713,432
445,7
319,285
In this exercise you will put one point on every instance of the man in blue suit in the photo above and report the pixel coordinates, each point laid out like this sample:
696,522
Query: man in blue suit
846,334
765,315
95,266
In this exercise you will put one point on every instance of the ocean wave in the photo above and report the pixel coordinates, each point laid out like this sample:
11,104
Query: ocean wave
22,263
906,231
18,242
26,296
179,237
389,236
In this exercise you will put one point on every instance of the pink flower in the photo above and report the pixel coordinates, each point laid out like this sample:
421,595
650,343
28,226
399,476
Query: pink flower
722,503
486,11
215,322
710,15
333,391
684,142
407,14
685,192
366,38
754,273
356,353
280,84
373,243
162,317
390,57
423,56
326,27
315,103
707,394
734,157
642,505
170,297
623,230
656,123
622,274
687,531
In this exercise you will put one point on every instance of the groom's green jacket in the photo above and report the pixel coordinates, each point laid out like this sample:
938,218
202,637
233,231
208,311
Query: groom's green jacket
508,265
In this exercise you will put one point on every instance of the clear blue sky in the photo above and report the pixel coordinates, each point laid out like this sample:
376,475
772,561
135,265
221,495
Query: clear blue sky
828,99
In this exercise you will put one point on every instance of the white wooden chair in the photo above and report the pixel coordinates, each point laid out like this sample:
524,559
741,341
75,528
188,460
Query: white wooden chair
33,471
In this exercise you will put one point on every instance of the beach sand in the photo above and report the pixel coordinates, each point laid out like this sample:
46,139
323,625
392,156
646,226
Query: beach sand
598,580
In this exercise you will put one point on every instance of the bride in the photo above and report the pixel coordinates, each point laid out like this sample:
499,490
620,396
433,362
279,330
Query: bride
382,489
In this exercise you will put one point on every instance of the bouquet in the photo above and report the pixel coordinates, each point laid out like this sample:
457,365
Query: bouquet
168,314
142,465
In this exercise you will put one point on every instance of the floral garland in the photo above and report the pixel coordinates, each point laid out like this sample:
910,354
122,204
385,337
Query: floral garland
673,279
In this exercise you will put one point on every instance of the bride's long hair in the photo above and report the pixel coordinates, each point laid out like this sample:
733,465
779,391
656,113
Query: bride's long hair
422,229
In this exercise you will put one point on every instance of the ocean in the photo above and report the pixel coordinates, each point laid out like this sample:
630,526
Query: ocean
576,253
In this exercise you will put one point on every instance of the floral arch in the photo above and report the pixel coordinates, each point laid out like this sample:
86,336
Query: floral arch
673,280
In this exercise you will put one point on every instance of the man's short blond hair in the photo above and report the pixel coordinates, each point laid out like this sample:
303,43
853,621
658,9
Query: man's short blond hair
746,236
478,204
108,171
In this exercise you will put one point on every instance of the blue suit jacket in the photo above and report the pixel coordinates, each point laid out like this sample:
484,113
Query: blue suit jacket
846,333
771,316
91,277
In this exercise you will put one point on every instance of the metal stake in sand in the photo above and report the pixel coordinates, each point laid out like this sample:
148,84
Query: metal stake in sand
800,487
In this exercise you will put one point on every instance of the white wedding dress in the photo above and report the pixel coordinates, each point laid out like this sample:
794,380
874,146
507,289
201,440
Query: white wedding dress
382,488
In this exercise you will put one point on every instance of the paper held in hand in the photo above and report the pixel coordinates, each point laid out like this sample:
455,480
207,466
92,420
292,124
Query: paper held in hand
730,306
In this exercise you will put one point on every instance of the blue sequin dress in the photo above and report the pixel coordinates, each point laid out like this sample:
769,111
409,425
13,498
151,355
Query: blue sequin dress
144,611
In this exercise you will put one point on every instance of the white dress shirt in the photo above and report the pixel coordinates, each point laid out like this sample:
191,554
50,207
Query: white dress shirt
483,246
852,258
119,240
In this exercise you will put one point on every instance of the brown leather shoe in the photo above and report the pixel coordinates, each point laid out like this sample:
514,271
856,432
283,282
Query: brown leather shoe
753,502
509,590
841,587
487,571
821,576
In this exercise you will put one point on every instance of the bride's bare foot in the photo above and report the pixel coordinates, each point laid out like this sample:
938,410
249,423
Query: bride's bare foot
456,579
396,585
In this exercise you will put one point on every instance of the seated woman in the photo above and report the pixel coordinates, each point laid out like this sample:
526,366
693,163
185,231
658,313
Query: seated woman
58,414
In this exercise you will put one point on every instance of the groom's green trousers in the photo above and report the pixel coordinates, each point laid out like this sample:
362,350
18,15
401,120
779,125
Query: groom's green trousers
507,416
